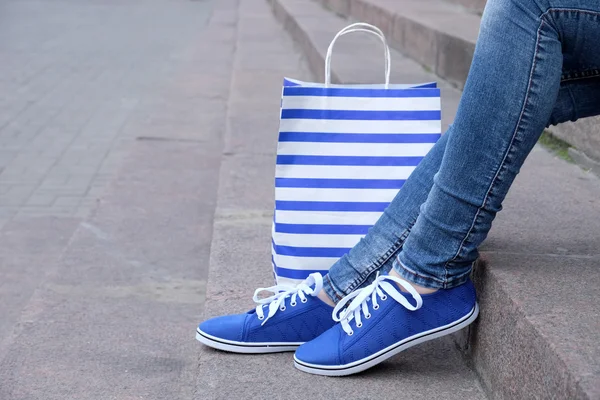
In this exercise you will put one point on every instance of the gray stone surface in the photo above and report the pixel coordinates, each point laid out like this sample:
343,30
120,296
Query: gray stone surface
535,339
553,208
30,250
250,181
114,318
475,6
74,78
583,134
584,161
537,334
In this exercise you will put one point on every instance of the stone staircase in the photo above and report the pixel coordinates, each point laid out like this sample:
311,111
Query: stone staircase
538,280
441,36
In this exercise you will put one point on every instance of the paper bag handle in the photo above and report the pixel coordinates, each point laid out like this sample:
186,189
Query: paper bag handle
359,27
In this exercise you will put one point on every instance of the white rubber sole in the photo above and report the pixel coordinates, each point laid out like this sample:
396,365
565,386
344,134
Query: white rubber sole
242,347
368,362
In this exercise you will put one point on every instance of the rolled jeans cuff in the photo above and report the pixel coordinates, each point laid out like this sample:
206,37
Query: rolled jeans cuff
423,279
332,291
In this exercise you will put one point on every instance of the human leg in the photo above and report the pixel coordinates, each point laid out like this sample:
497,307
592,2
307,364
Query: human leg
499,121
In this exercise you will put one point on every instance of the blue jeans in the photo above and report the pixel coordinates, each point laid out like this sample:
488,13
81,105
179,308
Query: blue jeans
536,63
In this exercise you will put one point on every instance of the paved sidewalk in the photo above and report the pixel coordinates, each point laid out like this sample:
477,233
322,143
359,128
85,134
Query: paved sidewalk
113,113
78,82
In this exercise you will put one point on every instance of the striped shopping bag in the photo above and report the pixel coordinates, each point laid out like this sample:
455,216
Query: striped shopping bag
344,151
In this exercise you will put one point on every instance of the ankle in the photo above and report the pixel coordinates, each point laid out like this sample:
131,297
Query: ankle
325,299
418,288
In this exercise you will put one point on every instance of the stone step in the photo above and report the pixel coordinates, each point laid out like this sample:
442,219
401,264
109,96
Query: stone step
539,327
473,6
438,34
240,250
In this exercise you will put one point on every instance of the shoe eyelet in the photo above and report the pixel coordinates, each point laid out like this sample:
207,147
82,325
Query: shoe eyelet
376,307
293,304
282,308
368,316
261,318
304,300
351,333
383,298
359,325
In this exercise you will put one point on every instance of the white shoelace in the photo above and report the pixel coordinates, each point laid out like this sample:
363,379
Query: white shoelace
282,292
379,289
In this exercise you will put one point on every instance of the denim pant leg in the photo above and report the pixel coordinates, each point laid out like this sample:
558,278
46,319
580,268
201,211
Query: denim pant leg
377,250
509,98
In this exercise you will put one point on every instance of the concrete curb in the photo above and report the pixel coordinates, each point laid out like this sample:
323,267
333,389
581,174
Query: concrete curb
475,6
584,161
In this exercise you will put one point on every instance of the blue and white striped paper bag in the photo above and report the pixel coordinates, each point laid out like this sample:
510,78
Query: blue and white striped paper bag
344,151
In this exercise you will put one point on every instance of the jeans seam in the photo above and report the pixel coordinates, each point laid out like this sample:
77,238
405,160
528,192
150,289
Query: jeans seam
563,10
509,147
595,74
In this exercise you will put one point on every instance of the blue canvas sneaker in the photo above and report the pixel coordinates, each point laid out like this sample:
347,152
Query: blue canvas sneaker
282,322
378,321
